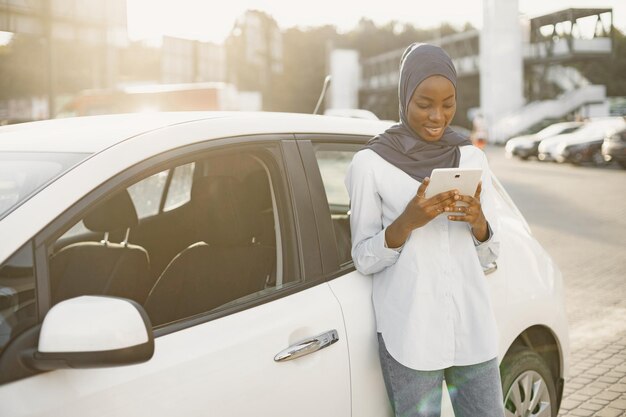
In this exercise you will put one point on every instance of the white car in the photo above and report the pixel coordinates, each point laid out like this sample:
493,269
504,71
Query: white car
551,149
588,148
199,264
526,146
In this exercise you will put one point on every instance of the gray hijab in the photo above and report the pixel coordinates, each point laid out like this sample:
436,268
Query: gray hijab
400,145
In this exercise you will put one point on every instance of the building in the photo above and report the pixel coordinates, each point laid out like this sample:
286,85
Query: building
48,34
529,59
188,61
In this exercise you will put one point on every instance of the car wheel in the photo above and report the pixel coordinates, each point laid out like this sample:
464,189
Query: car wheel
577,158
528,386
597,158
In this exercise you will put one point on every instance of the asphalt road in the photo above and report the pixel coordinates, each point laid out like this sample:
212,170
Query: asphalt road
578,214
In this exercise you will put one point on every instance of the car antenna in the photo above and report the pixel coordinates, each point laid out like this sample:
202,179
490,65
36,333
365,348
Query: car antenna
319,101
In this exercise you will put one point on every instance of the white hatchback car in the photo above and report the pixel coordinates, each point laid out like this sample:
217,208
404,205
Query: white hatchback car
199,264
551,149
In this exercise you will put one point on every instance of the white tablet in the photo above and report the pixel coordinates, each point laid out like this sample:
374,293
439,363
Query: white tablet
463,179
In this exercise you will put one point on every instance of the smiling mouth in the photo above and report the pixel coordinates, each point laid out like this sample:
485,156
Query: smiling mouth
434,131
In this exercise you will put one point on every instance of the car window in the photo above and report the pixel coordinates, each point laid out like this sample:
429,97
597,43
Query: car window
147,194
22,174
179,190
216,246
333,161
17,295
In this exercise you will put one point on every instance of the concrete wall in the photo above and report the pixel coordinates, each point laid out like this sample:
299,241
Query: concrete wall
501,61
345,72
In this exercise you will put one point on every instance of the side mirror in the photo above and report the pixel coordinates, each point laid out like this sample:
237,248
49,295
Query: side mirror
93,332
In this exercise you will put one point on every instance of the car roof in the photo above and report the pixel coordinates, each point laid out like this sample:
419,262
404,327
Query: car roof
87,134
94,133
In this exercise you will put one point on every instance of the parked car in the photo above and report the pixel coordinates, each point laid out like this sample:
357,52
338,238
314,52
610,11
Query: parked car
199,264
526,146
580,153
551,149
614,147
588,148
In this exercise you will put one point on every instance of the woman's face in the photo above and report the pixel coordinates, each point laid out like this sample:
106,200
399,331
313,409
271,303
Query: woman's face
432,107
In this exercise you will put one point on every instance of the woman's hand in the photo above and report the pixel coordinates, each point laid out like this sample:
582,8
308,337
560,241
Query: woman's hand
472,214
418,212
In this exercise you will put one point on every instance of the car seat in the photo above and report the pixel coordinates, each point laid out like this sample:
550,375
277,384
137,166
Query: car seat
227,264
103,268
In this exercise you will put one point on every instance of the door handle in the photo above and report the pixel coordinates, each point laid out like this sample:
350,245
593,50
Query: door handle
308,345
490,268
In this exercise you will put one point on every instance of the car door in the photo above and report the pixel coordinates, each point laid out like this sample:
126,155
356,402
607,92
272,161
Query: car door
279,350
326,158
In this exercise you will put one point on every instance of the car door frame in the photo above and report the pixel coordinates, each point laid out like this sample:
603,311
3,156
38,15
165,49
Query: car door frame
351,288
329,253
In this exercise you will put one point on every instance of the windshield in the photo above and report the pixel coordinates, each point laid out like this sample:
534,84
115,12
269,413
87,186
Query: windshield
22,174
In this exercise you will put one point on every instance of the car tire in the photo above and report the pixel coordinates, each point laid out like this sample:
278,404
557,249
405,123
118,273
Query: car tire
527,380
598,159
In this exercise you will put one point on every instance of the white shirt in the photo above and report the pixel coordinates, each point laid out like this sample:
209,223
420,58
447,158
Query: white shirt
431,298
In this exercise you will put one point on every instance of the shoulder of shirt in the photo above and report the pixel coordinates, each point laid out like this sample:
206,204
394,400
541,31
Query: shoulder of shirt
366,156
474,152
366,153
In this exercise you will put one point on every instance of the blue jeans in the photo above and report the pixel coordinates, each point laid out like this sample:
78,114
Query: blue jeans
475,390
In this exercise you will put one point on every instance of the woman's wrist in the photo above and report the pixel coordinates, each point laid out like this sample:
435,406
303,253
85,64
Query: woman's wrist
480,230
397,233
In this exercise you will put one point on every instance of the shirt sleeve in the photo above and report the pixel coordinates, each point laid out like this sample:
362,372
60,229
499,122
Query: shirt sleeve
488,250
398,249
369,250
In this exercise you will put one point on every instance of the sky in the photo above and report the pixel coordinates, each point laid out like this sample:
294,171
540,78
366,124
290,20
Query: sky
212,20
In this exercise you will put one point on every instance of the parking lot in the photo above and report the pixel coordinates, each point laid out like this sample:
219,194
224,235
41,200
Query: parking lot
578,214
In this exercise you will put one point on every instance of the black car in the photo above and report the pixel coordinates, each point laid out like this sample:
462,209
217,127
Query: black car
614,147
588,152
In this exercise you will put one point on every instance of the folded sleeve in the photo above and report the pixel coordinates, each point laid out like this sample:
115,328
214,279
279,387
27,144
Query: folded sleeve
488,250
369,251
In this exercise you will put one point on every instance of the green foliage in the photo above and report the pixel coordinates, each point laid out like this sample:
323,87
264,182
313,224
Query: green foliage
304,68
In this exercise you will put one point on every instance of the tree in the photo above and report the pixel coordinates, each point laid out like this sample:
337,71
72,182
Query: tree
305,67
254,55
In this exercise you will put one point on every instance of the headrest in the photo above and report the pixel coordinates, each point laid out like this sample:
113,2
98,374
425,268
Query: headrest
230,220
116,213
200,190
259,192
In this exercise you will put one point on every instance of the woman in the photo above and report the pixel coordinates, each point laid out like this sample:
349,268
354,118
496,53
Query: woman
430,295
